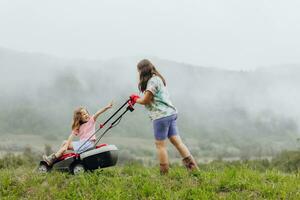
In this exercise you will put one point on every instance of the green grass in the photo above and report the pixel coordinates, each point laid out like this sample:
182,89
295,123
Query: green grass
138,182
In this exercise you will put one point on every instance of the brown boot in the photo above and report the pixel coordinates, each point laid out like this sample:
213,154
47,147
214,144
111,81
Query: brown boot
164,168
50,159
190,163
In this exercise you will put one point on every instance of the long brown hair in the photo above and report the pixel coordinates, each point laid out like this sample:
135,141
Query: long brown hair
77,121
147,70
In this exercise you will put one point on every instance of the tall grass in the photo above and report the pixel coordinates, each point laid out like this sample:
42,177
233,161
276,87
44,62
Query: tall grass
218,180
139,182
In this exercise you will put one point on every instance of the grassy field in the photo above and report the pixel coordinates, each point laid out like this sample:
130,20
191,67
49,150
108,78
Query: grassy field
133,181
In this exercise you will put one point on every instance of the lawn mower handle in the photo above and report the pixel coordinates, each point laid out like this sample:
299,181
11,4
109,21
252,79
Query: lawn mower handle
102,125
129,107
114,123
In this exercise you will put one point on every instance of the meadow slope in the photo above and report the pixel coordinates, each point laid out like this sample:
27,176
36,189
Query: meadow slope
133,181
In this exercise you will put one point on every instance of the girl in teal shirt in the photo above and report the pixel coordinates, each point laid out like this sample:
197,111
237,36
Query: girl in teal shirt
163,114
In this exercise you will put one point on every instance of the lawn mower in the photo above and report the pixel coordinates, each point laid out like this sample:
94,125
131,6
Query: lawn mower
99,156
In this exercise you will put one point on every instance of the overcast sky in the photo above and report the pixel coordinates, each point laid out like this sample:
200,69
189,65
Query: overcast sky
234,34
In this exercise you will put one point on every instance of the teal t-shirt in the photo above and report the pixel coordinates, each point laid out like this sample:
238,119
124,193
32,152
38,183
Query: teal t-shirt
161,106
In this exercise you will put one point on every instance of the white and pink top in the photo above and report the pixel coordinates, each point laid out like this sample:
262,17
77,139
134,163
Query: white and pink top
86,130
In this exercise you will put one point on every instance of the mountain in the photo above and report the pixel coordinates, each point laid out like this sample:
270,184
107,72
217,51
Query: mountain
221,111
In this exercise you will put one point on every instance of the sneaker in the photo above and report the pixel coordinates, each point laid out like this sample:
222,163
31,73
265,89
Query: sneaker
50,159
164,169
190,163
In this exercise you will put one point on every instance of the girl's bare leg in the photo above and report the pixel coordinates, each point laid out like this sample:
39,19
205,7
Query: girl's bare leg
53,157
162,155
180,146
188,159
63,149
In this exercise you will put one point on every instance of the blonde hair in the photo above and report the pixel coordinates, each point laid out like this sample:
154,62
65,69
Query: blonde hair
77,119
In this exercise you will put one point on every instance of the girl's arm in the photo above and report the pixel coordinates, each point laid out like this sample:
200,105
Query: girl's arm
99,112
147,99
70,139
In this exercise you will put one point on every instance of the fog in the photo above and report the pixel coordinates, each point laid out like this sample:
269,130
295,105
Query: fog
221,112
226,34
232,69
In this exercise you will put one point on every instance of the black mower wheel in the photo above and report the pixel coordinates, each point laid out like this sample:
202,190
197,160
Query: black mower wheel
78,168
43,168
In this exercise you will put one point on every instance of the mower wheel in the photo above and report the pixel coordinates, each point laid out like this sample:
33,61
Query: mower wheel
43,168
78,168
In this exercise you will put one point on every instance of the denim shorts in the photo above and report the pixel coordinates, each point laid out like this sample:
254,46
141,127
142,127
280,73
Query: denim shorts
165,127
78,144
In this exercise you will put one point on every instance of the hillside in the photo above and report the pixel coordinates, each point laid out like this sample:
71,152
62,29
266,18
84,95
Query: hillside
138,182
131,179
221,113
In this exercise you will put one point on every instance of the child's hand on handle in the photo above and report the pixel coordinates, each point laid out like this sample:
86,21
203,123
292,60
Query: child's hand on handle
134,98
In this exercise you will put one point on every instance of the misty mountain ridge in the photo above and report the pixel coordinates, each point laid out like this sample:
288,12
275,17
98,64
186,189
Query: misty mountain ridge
217,108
